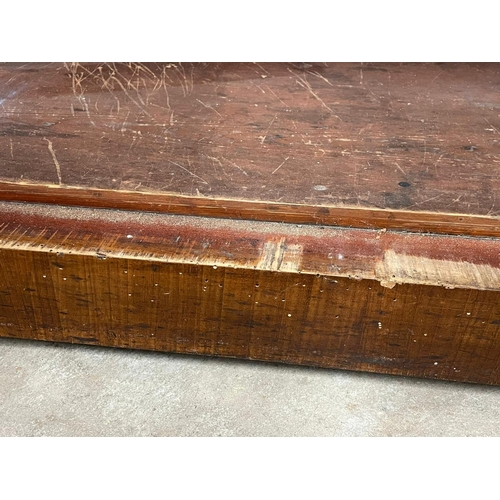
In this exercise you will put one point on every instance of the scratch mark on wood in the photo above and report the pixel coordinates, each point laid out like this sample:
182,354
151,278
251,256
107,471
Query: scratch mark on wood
437,76
263,137
491,211
318,75
124,128
138,104
114,70
188,171
492,129
275,95
76,84
425,154
214,159
435,164
281,292
263,69
56,163
209,107
306,85
424,201
259,87
397,165
282,163
234,164
11,149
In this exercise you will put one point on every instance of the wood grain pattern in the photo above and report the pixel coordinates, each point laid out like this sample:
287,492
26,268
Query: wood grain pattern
403,141
336,215
387,256
253,290
428,222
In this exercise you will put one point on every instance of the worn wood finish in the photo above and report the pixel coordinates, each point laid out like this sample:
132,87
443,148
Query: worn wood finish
336,215
317,143
429,222
306,295
387,256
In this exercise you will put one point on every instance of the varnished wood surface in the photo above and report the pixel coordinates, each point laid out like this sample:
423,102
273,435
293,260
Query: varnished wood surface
271,156
150,282
313,139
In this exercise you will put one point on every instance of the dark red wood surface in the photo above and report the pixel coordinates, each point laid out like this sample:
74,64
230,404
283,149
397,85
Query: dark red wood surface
419,138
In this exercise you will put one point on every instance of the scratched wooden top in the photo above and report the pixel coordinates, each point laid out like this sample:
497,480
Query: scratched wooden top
416,138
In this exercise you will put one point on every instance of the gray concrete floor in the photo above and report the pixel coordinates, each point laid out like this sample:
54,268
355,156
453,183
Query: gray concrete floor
51,389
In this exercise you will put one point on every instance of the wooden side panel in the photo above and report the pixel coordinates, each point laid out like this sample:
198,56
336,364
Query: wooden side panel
419,305
417,330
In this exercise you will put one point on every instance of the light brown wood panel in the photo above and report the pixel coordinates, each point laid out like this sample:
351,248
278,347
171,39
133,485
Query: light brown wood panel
417,330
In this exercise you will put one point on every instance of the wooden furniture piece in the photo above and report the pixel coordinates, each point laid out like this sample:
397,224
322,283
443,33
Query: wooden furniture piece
335,215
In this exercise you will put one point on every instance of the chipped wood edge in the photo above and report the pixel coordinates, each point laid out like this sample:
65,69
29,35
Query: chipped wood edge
447,261
398,268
